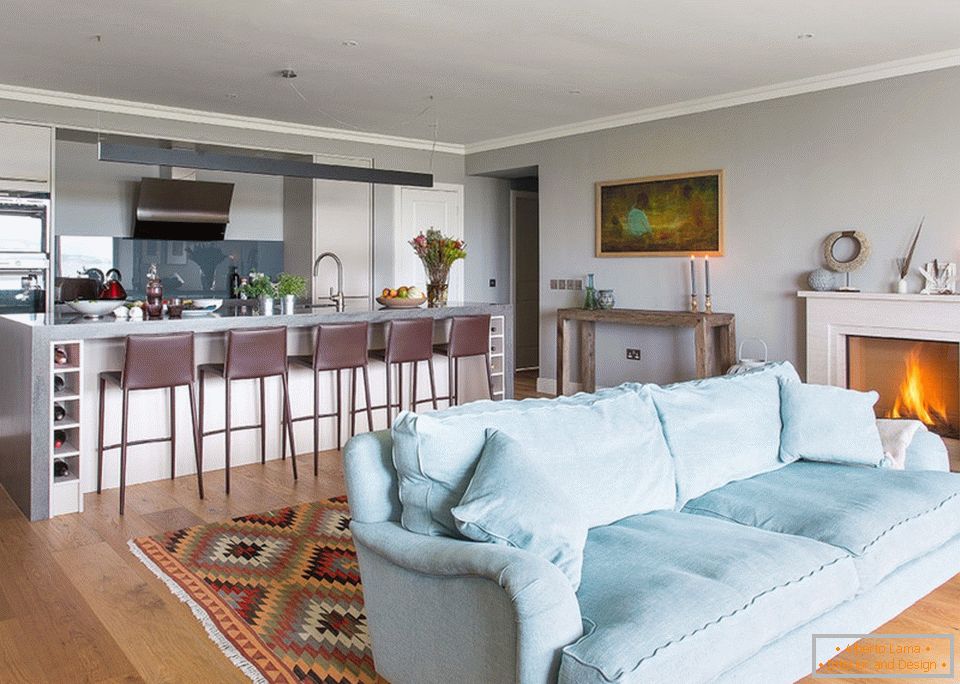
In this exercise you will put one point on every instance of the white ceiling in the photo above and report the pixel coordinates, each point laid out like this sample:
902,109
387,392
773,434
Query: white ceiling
496,68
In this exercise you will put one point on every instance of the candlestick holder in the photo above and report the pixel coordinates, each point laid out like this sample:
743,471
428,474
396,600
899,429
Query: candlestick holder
708,304
694,304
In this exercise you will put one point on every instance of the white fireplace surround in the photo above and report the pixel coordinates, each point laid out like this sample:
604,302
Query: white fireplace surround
832,316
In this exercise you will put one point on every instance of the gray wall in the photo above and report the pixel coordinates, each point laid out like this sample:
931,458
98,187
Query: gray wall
487,234
875,157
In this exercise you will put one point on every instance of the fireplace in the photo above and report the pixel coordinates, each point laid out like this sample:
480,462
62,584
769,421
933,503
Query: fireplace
918,379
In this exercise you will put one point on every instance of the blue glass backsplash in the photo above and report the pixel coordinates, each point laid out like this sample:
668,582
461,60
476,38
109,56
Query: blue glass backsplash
187,268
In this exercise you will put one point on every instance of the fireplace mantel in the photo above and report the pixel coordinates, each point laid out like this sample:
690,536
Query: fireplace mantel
832,316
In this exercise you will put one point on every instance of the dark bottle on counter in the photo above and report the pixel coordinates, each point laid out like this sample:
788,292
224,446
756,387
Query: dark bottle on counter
59,438
234,283
59,413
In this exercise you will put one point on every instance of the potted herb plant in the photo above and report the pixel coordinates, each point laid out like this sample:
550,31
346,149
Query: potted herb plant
289,288
259,287
438,253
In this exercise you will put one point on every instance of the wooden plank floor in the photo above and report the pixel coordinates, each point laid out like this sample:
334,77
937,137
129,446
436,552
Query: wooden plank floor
77,606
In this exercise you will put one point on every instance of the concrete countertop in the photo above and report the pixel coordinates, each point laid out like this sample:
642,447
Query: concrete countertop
71,326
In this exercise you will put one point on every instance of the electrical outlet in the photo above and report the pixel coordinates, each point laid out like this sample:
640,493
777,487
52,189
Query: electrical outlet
553,284
571,284
561,284
579,284
493,282
633,354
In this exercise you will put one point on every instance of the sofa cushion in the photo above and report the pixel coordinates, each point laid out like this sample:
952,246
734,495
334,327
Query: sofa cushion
883,517
927,452
513,500
669,596
606,450
832,424
722,429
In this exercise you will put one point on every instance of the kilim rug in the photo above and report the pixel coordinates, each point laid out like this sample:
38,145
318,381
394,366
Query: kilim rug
278,592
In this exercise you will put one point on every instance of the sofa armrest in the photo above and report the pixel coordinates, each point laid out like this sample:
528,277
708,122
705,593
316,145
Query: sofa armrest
927,451
445,610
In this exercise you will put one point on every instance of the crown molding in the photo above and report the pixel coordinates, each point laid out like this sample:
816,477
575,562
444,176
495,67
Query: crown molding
196,116
839,79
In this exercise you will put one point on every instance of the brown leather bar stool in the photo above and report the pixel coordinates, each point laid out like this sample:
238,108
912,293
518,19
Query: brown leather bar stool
338,347
151,362
408,341
469,336
254,354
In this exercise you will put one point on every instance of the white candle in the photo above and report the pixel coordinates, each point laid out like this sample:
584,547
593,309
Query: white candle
706,273
693,276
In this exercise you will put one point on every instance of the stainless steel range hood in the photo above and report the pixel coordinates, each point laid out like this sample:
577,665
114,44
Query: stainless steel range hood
182,209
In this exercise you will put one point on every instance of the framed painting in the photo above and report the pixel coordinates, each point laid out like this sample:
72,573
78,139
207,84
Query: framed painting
674,215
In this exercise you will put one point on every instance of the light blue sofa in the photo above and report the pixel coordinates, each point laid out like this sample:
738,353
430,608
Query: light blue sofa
728,585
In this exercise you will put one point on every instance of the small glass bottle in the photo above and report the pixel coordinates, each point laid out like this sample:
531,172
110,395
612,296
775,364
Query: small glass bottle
590,298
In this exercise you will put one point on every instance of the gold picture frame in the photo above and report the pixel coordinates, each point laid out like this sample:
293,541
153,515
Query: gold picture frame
661,216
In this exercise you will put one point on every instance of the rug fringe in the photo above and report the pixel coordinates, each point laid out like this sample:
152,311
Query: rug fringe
216,636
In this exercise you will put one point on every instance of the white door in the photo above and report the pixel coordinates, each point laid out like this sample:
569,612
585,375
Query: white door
342,224
438,207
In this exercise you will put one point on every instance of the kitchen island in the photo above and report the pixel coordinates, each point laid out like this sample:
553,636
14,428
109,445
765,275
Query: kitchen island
29,372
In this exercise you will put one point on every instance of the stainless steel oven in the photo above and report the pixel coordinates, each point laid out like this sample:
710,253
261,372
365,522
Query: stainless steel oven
24,222
24,251
23,284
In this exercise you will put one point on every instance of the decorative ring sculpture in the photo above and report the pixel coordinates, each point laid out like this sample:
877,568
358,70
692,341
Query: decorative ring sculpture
854,263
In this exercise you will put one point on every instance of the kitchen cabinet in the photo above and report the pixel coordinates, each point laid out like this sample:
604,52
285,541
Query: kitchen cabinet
343,224
25,156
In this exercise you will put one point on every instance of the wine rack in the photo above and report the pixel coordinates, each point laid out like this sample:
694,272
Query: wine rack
66,438
496,355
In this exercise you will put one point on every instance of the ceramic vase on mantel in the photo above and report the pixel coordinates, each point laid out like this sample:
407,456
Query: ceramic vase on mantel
265,305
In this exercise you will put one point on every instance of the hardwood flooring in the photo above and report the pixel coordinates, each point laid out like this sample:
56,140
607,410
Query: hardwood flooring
77,606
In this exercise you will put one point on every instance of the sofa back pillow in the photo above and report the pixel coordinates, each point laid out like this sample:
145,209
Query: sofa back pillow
722,429
606,450
512,499
829,424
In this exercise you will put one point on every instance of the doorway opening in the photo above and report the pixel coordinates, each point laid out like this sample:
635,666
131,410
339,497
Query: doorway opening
525,271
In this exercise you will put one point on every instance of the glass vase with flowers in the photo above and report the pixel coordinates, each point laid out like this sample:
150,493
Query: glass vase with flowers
437,252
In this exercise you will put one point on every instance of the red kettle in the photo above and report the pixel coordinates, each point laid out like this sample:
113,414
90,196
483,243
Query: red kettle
111,288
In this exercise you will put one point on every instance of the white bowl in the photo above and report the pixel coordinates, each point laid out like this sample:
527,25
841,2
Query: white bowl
93,308
207,304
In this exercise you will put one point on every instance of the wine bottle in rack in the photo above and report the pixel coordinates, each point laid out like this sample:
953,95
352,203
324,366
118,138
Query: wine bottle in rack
58,383
60,356
60,468
59,413
59,438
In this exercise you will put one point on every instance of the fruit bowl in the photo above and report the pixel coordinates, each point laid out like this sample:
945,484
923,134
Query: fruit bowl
94,308
401,302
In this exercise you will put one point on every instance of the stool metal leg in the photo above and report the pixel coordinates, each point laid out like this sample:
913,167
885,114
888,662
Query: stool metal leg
389,376
339,405
200,417
413,397
263,422
366,390
173,433
353,402
226,433
288,414
198,454
433,383
451,388
486,357
456,381
316,423
123,449
100,440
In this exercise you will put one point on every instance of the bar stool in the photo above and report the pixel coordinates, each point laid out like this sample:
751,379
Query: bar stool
408,341
151,362
254,354
338,347
469,336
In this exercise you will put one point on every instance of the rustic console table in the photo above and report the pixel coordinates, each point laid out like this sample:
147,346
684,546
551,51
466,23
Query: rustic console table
714,334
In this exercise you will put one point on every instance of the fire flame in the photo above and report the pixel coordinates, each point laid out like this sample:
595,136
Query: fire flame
916,400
